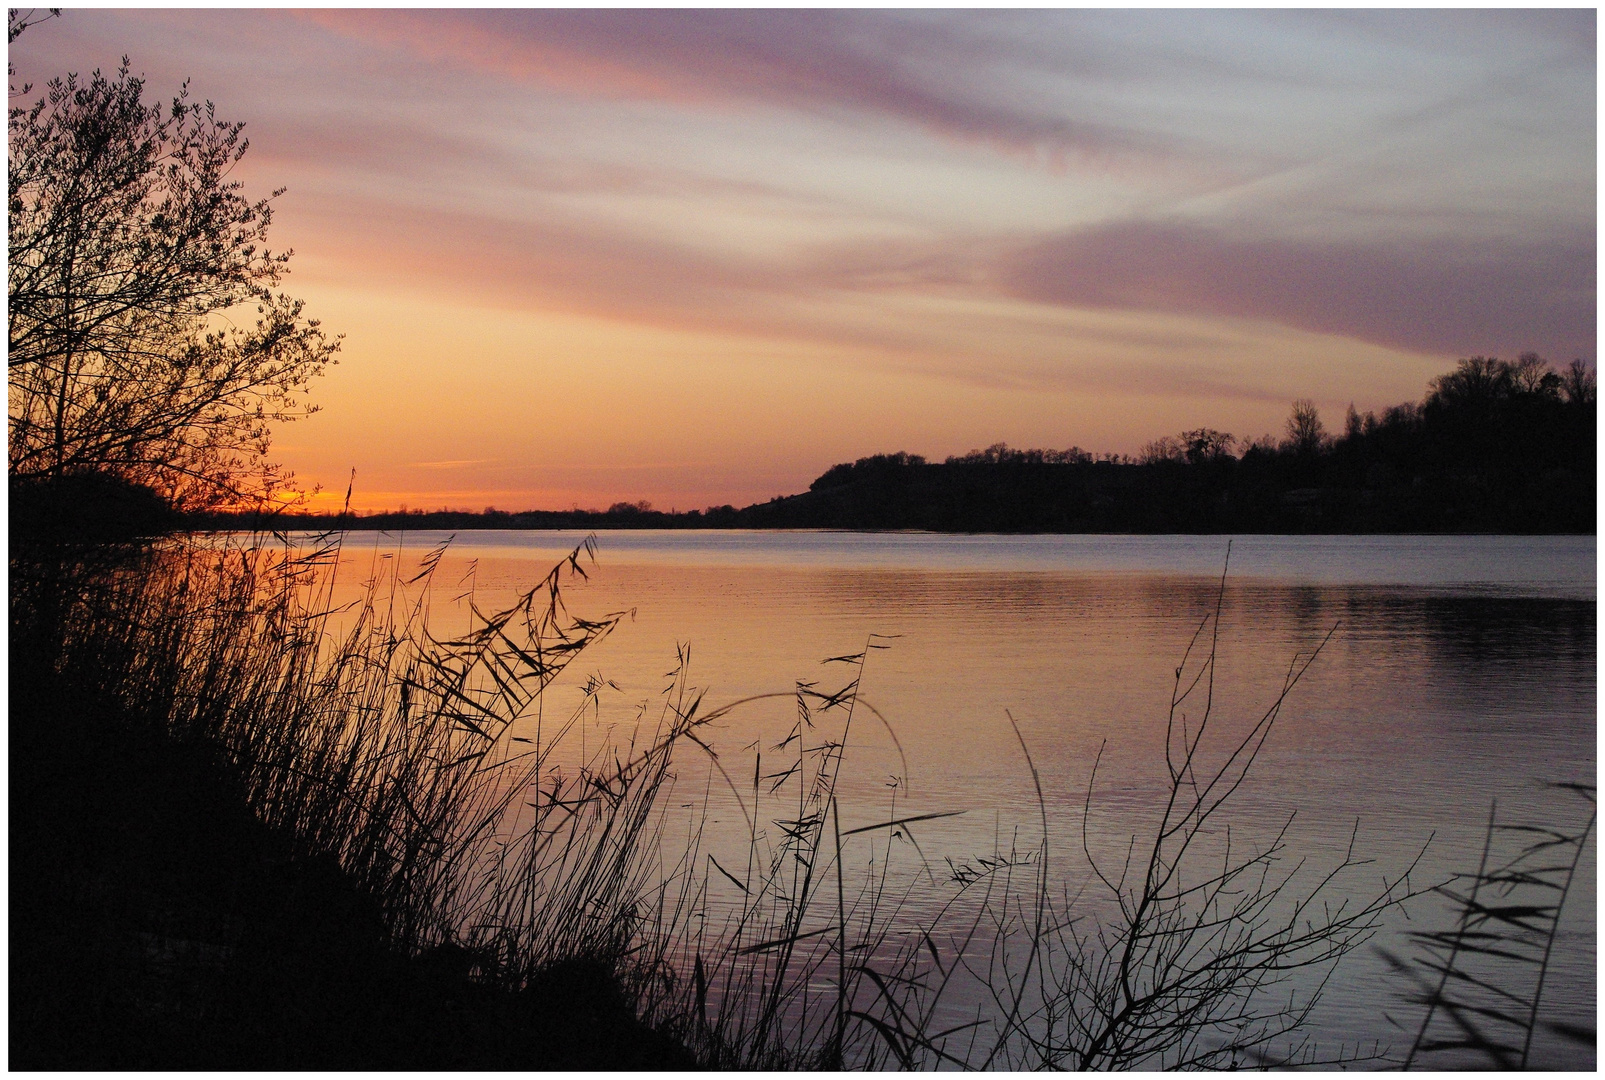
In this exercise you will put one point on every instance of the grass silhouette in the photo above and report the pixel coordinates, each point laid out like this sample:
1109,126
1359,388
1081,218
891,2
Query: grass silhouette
1481,983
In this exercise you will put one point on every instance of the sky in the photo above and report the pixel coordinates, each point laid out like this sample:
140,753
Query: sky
698,257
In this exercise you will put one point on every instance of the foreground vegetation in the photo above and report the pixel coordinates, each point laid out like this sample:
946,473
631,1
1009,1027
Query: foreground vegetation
257,829
242,843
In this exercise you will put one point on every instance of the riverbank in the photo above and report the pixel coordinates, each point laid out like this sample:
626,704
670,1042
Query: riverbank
157,924
189,886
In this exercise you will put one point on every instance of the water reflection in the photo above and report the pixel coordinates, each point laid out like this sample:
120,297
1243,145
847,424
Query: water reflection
1455,676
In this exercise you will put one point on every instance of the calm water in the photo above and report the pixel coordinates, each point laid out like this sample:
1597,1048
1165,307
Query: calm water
1461,671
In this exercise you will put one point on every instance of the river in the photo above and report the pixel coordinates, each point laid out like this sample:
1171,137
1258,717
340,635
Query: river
1453,672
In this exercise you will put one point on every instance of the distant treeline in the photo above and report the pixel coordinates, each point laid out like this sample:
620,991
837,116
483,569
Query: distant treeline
1495,446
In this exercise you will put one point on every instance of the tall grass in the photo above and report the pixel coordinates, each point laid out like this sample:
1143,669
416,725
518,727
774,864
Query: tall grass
1480,983
364,738
426,769
794,968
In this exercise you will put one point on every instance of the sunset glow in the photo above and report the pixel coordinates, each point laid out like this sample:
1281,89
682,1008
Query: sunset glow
697,257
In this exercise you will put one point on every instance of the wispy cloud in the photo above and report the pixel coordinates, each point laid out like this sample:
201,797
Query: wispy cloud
1438,296
909,68
460,464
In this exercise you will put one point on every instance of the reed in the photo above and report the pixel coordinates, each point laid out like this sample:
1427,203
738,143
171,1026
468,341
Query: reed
786,967
420,765
1480,983
424,768
1195,949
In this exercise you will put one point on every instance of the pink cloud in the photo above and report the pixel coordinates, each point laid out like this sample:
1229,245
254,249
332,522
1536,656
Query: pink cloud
1445,296
929,74
583,266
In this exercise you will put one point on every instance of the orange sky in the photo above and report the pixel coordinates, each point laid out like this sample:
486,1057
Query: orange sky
698,257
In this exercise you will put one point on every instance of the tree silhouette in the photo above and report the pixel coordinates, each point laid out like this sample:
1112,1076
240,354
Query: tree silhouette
19,19
1577,383
1305,432
1165,449
1207,444
133,261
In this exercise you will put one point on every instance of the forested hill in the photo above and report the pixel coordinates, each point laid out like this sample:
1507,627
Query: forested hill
1495,446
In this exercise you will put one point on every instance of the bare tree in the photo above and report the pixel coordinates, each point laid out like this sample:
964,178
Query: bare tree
1166,448
1207,444
134,264
1305,432
1577,381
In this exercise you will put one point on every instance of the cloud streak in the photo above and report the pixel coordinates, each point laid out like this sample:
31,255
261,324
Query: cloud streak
928,73
1442,296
